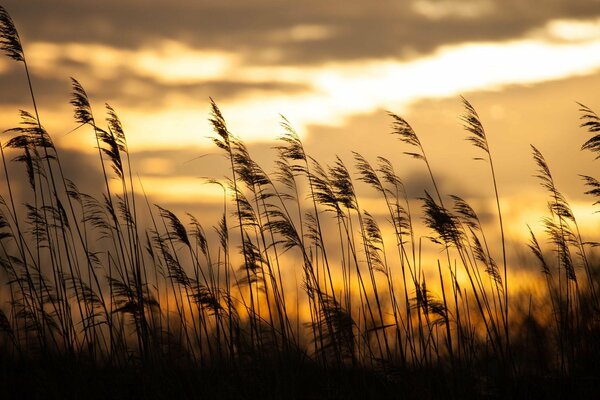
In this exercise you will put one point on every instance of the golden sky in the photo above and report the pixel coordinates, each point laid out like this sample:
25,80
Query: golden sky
332,68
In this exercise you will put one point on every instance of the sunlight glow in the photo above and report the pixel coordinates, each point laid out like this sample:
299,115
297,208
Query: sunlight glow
334,91
464,9
344,90
574,30
175,62
156,166
169,62
176,190
304,33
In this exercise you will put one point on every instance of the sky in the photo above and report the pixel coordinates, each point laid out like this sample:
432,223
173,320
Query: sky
333,69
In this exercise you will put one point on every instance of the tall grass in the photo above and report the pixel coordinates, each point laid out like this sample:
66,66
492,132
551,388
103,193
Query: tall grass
111,280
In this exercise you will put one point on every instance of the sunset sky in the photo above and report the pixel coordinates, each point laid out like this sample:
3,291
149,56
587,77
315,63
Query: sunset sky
333,69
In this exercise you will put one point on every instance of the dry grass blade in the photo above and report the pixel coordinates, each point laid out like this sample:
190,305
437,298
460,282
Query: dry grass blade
116,128
341,183
544,172
366,171
282,225
591,122
562,238
80,103
10,42
112,150
594,186
205,298
558,204
30,133
466,212
292,148
374,242
441,221
472,124
220,128
406,134
179,232
534,245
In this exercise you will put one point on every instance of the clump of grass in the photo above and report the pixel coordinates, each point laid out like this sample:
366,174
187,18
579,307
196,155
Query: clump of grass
97,280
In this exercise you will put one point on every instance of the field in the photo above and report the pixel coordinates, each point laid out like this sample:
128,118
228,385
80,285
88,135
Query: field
298,292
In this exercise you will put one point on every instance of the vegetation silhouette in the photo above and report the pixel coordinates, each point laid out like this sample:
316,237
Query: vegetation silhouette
106,295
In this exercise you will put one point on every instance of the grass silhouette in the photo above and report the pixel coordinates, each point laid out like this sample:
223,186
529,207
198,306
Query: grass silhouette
106,295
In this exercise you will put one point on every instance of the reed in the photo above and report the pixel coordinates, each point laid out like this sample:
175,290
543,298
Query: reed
97,280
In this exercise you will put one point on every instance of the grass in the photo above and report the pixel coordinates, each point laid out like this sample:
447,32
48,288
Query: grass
107,295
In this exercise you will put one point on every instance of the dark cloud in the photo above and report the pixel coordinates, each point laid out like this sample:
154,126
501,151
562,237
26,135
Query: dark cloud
148,94
15,90
359,29
83,169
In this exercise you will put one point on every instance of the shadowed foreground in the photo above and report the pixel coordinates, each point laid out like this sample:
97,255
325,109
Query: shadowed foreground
66,379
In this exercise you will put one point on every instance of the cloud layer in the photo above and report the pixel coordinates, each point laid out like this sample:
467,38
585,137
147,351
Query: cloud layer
301,32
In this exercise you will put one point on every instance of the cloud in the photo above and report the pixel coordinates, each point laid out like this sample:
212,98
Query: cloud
316,63
304,32
443,9
81,168
123,87
173,114
573,30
